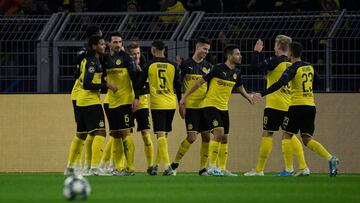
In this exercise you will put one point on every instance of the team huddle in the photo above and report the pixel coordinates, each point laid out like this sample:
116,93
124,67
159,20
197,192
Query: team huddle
136,88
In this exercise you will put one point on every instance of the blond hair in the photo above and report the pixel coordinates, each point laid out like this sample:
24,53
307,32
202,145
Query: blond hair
283,42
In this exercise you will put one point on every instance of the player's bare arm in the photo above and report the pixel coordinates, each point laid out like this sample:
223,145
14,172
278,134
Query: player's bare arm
246,95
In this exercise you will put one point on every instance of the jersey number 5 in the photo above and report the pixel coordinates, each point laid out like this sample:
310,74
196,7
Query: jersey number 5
161,75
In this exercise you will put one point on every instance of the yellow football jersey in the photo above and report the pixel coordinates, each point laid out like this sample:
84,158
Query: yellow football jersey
91,82
191,72
221,81
163,77
75,90
143,102
279,100
302,85
120,71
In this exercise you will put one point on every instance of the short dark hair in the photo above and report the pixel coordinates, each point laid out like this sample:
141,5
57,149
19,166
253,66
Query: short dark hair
229,49
202,40
133,45
114,34
91,30
159,45
94,40
134,2
296,49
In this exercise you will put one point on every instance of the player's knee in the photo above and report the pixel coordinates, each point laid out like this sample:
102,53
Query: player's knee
81,136
218,133
267,134
286,135
115,135
145,132
224,139
205,137
191,137
161,134
306,139
98,133
125,133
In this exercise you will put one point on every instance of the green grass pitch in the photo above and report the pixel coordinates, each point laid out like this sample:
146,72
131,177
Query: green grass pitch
185,188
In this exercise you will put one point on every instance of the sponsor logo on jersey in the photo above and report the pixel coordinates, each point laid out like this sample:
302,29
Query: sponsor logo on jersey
226,84
192,77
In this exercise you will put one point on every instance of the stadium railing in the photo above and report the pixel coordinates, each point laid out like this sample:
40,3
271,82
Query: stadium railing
37,52
24,53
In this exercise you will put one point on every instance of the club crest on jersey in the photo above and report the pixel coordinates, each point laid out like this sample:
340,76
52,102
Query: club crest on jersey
190,126
205,70
91,69
215,123
102,124
235,76
118,62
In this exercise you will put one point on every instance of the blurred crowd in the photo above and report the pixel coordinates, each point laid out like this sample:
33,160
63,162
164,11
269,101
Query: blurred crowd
41,7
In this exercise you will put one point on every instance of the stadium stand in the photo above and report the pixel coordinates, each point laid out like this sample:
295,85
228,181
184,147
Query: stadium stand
37,52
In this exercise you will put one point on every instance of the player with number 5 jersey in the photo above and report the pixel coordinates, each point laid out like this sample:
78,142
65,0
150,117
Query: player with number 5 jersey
165,88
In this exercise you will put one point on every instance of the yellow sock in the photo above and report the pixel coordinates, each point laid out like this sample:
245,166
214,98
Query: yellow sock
287,154
129,149
299,152
79,156
78,159
204,154
163,151
97,149
107,151
117,153
184,147
214,147
75,151
122,159
148,148
223,156
318,149
265,150
88,145
157,158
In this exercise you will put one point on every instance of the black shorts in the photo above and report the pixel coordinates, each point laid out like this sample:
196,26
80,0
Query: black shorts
90,118
162,120
121,118
300,118
217,118
273,119
195,121
76,110
142,119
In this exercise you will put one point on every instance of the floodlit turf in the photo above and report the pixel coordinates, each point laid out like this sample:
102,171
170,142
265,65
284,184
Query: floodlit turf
185,188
